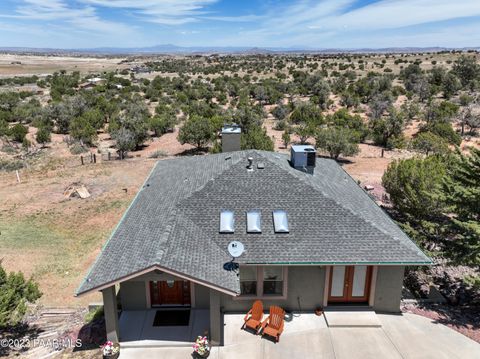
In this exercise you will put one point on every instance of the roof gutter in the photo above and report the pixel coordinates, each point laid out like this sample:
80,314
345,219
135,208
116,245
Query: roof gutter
426,263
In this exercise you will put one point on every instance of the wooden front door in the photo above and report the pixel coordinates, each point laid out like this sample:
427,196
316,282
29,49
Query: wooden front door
349,284
170,292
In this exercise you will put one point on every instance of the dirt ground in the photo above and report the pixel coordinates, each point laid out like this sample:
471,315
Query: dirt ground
56,239
42,65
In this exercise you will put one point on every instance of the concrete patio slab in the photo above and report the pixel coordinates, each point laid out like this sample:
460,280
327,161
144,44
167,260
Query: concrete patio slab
418,337
300,322
406,336
362,343
306,344
349,319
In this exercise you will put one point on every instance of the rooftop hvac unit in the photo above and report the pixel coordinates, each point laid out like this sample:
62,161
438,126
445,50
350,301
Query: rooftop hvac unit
302,157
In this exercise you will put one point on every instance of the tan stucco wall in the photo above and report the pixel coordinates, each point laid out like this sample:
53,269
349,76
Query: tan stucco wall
388,289
305,283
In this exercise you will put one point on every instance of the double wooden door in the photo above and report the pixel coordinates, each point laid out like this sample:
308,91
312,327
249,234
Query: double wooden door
170,292
349,284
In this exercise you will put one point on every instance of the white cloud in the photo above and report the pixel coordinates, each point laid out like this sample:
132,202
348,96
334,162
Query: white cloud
167,12
240,18
318,23
84,18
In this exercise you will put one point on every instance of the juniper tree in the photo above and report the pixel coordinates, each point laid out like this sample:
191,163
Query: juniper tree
337,141
15,293
462,189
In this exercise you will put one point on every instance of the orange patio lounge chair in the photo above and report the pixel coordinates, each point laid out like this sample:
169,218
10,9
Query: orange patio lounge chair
273,325
253,319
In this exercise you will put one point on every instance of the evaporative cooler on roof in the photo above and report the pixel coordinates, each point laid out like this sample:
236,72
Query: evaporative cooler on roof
280,221
254,222
227,222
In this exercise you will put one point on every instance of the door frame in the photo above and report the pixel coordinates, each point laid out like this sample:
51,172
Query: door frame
149,295
348,284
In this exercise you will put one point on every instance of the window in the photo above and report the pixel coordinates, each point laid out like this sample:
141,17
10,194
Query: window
254,223
227,222
248,281
263,281
273,280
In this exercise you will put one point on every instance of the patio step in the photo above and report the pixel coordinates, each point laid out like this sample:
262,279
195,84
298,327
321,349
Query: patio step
155,344
352,319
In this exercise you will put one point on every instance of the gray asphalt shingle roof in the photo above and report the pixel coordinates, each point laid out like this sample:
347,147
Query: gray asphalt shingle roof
174,220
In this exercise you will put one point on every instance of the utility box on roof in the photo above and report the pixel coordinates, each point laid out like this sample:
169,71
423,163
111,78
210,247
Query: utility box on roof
231,138
302,157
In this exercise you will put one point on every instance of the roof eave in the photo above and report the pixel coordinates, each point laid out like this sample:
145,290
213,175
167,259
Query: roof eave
406,263
100,287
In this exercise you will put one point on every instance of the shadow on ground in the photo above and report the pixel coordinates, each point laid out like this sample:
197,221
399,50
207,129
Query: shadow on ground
18,338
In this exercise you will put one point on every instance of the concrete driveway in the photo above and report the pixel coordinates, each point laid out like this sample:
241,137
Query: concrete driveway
400,336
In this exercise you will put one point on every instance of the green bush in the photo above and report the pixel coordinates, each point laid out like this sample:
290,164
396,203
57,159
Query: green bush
8,166
43,135
77,149
197,131
337,141
159,154
15,293
18,132
445,131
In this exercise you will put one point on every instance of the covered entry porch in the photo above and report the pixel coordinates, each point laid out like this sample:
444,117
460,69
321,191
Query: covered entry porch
138,329
157,308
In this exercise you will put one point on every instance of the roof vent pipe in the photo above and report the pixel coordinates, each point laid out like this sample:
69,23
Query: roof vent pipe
250,164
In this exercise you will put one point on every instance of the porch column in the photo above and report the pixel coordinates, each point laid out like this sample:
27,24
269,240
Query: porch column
111,313
215,317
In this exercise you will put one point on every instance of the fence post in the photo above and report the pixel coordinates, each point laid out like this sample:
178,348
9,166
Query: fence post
109,155
81,159
18,176
94,158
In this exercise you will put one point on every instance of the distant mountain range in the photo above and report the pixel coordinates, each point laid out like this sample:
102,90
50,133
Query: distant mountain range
173,49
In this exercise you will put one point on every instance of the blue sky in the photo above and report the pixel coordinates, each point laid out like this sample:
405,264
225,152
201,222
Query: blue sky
262,23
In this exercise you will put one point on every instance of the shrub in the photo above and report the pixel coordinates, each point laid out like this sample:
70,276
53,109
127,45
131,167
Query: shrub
161,124
280,125
414,186
159,154
197,131
82,130
18,132
443,130
77,149
43,135
428,142
337,141
15,293
8,166
256,138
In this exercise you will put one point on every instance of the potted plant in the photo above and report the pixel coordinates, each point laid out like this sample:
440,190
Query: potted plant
201,347
111,350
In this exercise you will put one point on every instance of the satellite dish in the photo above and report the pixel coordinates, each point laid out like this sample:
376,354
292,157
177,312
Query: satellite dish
236,249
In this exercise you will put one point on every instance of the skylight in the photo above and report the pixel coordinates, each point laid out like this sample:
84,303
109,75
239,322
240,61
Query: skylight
227,221
254,222
280,221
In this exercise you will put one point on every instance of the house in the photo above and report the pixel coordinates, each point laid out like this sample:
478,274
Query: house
312,237
91,83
